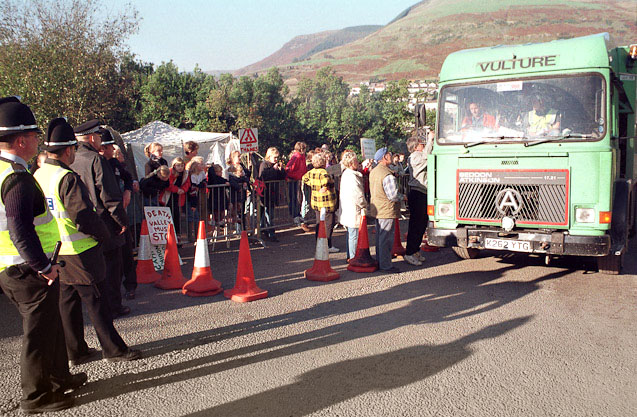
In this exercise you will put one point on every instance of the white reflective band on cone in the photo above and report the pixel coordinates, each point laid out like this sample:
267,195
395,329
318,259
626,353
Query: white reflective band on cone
144,248
322,253
202,259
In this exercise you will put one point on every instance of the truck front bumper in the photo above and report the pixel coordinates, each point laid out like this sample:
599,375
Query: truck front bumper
546,242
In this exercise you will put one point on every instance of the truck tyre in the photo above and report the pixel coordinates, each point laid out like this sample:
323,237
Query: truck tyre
609,264
466,253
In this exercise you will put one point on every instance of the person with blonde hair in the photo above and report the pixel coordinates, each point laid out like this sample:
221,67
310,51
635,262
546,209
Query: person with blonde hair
271,171
175,193
323,196
352,201
154,152
195,204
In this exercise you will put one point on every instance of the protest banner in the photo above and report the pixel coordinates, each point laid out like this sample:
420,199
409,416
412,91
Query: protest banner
158,219
368,148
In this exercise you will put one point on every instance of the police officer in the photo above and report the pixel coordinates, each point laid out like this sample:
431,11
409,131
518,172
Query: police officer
28,235
98,176
82,279
125,181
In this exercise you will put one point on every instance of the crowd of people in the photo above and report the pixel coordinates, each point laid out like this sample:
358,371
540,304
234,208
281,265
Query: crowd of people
70,208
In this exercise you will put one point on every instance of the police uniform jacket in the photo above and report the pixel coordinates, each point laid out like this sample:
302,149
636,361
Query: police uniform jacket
23,200
97,174
85,268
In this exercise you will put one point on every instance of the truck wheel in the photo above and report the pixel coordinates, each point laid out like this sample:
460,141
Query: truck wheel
609,264
466,253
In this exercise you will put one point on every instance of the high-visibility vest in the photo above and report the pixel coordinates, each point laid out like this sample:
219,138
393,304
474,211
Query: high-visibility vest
45,227
539,124
74,242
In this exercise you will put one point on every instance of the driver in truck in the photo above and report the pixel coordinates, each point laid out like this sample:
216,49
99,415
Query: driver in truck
477,119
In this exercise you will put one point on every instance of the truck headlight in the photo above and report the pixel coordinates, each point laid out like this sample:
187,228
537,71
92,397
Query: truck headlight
445,210
585,215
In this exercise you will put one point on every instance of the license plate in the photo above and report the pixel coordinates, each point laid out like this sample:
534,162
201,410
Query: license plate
504,244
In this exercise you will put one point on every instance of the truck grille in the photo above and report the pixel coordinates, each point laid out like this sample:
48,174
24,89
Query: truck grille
531,197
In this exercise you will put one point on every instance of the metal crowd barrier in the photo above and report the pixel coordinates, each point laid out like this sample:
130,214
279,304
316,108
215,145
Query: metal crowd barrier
228,212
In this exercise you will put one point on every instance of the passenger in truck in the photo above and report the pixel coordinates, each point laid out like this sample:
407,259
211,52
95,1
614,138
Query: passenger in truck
542,120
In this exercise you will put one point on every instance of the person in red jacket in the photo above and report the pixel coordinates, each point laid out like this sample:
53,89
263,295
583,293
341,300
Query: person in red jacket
294,170
175,195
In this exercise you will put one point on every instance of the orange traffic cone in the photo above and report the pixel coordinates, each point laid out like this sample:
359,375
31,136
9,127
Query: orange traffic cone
426,247
245,288
171,278
398,249
202,283
145,270
321,270
362,261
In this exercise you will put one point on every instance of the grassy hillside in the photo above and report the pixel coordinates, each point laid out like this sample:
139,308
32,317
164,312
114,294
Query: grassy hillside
302,47
415,44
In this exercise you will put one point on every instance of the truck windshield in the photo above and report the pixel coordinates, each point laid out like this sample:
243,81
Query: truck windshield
530,110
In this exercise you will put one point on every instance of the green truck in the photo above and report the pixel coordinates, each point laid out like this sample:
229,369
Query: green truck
535,151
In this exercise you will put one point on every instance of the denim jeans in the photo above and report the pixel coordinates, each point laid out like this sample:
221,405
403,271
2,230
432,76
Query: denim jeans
384,242
294,205
351,242
267,221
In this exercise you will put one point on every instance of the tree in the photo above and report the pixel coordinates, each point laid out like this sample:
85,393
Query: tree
62,56
391,119
321,103
173,97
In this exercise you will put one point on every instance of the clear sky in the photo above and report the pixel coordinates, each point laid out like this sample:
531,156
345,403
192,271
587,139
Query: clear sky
230,34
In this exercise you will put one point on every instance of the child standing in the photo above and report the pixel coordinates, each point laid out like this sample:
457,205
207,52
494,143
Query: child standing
154,152
154,184
215,177
196,193
178,187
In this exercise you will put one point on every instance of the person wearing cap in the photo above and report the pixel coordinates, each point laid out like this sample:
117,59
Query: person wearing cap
384,206
125,182
28,236
82,280
419,148
97,174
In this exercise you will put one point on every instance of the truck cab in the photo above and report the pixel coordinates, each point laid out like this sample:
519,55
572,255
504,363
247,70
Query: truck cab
535,150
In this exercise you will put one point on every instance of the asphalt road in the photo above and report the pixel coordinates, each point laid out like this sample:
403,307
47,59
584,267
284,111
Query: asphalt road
496,336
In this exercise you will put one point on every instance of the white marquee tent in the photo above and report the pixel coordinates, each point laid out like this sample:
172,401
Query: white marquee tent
213,147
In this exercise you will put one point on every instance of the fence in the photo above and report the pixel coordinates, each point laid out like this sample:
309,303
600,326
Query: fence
229,211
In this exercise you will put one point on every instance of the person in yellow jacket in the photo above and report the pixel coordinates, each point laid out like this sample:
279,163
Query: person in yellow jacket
28,235
82,281
541,120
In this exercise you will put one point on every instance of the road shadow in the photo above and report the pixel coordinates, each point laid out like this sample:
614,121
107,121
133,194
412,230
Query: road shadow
328,385
434,300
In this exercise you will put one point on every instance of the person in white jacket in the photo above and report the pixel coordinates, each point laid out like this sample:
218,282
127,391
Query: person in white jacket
352,201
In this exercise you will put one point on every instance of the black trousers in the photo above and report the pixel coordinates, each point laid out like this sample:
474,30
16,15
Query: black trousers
43,362
113,275
128,263
71,299
418,220
329,225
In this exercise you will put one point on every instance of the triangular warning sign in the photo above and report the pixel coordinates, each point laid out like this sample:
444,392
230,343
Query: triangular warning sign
248,136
